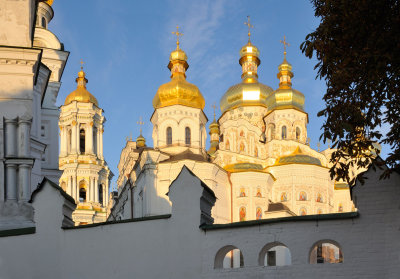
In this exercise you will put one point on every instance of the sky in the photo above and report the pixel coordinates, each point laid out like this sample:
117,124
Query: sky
125,46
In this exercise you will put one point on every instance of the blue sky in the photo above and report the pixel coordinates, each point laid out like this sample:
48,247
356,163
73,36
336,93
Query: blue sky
126,44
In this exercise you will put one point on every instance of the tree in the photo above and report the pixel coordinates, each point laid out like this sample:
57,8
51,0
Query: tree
357,45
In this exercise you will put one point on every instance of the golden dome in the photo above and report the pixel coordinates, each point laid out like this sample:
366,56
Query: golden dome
81,94
140,141
178,91
249,92
49,2
285,96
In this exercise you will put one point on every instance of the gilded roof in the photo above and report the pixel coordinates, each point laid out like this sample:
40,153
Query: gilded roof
242,167
81,94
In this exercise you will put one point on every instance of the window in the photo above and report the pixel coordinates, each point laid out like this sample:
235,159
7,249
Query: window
258,213
275,254
82,141
241,147
326,251
82,195
169,136
94,140
242,133
242,214
302,196
284,132
303,211
340,208
258,194
283,197
69,141
298,133
101,193
320,198
242,192
228,257
187,135
43,22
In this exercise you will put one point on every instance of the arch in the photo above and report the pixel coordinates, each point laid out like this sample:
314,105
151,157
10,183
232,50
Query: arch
242,147
169,135
319,198
82,191
298,133
242,214
44,23
95,140
258,213
242,192
82,141
271,132
69,141
241,134
274,254
101,194
258,193
325,251
284,132
302,196
303,211
187,136
340,207
233,260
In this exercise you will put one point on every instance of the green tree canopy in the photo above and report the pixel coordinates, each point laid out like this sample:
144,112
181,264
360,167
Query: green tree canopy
357,45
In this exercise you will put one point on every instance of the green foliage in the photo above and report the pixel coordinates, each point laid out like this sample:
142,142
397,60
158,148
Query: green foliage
357,46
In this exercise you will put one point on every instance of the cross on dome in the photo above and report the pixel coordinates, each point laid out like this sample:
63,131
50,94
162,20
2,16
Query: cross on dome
140,123
177,34
285,43
248,26
214,107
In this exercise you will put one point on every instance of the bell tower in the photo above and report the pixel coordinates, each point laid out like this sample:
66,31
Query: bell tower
86,176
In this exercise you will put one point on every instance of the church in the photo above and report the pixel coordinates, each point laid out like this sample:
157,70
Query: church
257,203
259,164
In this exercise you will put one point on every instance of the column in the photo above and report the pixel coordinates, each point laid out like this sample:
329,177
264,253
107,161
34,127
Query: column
10,135
74,189
78,139
64,140
11,182
106,192
24,182
89,138
100,146
96,190
24,138
73,138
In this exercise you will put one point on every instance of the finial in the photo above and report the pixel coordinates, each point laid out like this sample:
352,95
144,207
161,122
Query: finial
177,34
82,64
140,123
285,43
249,26
214,107
129,138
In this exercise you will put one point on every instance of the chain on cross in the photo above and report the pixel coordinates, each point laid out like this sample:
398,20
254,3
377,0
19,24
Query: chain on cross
177,34
140,123
82,64
248,26
285,43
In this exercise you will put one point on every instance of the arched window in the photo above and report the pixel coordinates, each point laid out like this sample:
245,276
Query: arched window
187,135
303,211
94,140
275,254
298,133
258,194
258,213
82,141
69,141
284,132
227,146
319,198
242,192
242,213
43,22
241,147
302,196
326,251
340,208
228,257
82,195
283,197
101,193
169,136
242,133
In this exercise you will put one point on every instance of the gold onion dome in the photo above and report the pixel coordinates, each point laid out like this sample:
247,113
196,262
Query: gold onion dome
140,141
81,94
249,92
297,157
178,91
49,2
285,96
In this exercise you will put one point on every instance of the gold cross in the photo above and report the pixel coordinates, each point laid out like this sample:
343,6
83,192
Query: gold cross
177,34
214,107
249,26
82,64
284,45
140,123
